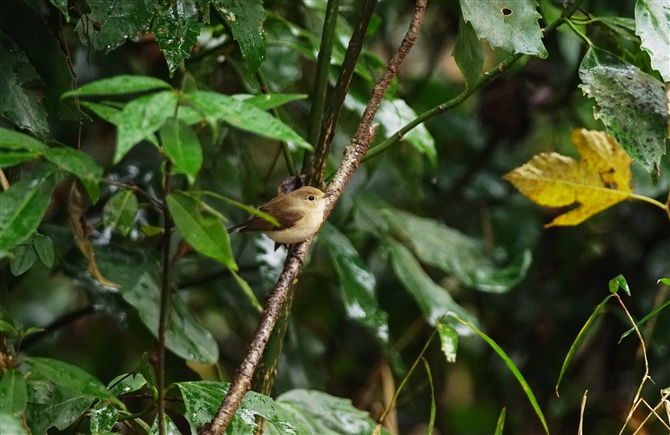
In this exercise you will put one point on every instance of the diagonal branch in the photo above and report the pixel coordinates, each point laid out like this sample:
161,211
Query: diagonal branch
353,155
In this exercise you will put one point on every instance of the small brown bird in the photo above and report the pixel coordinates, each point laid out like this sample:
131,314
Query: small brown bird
299,213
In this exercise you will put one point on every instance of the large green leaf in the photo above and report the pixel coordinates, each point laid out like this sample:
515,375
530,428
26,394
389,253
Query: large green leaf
323,411
113,116
201,228
71,378
13,394
652,19
469,54
245,116
137,274
141,117
120,211
59,407
21,89
25,25
455,253
633,106
22,207
357,284
183,147
202,399
11,158
123,84
177,27
508,24
434,300
110,22
71,160
246,20
80,165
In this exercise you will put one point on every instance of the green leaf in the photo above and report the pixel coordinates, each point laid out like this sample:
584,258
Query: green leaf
110,22
12,424
515,371
177,27
579,339
218,107
501,422
434,301
80,165
21,89
62,7
13,140
455,253
22,207
44,248
356,283
619,282
113,116
183,147
633,106
103,417
394,113
123,84
202,399
469,54
138,275
448,339
508,24
71,160
13,393
141,117
202,229
11,158
126,383
431,421
170,427
334,413
652,20
24,258
246,21
269,101
57,407
72,378
25,25
120,211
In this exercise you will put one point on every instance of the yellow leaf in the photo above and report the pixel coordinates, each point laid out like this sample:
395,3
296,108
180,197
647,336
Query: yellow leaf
600,179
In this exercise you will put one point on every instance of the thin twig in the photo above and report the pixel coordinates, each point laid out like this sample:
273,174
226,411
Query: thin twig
646,365
165,303
581,414
359,146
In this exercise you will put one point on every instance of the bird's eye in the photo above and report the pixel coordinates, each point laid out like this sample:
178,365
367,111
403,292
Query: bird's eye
311,198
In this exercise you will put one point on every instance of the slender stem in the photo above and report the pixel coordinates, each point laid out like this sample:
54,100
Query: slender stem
578,33
321,76
409,373
152,199
650,201
322,149
165,303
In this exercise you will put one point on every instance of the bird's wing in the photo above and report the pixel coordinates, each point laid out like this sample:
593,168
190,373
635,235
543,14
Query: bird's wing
287,219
